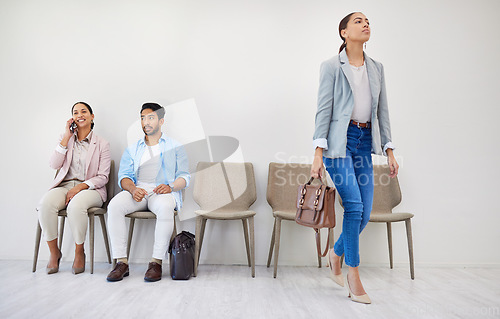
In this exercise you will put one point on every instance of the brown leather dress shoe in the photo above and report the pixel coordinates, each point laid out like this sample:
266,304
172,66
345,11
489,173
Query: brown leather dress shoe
120,271
153,273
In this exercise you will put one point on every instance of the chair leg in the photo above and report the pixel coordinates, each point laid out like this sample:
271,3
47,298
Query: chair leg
272,245
38,237
91,241
319,254
61,231
130,233
105,235
277,245
389,238
174,231
252,243
197,241
203,225
245,233
410,247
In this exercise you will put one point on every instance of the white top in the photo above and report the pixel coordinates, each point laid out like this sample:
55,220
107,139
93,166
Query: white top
149,168
78,169
362,111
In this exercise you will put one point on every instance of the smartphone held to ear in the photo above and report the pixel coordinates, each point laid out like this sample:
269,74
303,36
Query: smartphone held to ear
72,127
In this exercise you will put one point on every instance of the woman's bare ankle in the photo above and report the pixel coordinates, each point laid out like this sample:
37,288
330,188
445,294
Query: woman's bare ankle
354,281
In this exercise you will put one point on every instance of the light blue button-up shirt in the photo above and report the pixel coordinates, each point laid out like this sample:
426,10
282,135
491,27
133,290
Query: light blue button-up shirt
174,164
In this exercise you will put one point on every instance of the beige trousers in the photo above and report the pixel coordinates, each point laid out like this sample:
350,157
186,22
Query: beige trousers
54,201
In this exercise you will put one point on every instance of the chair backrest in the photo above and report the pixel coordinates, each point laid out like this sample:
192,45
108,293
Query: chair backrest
110,186
282,184
224,186
387,193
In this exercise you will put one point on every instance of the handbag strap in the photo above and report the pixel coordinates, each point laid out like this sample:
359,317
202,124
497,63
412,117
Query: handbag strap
318,243
323,179
310,181
320,179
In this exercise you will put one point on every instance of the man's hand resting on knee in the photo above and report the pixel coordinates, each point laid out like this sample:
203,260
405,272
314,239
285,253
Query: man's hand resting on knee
162,189
138,194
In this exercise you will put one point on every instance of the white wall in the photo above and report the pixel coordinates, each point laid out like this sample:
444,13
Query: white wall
252,67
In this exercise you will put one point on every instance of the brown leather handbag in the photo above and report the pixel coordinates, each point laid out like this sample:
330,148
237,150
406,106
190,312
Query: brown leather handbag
316,209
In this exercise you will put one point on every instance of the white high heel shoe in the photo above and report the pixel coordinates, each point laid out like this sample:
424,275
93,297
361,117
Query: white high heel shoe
361,299
338,279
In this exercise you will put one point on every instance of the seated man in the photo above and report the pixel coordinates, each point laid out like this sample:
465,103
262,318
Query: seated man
152,173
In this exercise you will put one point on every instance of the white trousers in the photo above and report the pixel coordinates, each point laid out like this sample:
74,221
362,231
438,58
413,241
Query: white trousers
162,205
55,200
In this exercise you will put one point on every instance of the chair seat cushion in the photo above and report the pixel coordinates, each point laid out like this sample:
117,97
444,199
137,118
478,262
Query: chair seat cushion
142,215
225,214
92,210
389,217
285,214
97,210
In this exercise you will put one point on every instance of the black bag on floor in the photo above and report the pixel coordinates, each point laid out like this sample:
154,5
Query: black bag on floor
181,251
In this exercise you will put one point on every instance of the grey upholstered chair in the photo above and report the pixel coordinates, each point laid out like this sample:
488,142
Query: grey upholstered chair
225,191
92,212
387,195
146,214
282,184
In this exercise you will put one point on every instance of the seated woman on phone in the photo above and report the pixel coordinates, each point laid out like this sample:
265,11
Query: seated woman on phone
83,160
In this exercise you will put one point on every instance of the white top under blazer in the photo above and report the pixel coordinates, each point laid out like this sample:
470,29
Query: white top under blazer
362,111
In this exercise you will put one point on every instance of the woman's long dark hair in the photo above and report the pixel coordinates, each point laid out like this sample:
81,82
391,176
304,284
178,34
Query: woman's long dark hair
88,108
342,26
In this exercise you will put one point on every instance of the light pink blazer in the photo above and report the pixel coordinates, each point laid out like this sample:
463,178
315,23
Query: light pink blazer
97,164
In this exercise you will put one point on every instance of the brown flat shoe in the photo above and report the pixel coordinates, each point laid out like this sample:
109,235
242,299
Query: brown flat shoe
153,273
117,274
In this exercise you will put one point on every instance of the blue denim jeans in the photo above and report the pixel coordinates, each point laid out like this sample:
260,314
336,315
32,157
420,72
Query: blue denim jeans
353,178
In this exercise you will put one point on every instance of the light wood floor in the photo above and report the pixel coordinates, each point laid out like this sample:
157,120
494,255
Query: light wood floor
230,292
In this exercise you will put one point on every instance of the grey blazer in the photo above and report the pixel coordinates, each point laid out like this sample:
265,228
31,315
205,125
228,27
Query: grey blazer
336,102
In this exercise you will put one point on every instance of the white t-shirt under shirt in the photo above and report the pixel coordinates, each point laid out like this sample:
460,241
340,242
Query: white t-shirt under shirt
149,168
362,111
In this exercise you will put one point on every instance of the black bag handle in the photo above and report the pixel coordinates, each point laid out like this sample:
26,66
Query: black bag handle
312,179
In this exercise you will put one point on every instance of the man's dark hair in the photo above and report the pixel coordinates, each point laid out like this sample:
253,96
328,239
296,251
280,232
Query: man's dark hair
157,108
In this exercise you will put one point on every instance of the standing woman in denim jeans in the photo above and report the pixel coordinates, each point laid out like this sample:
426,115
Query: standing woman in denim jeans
352,122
